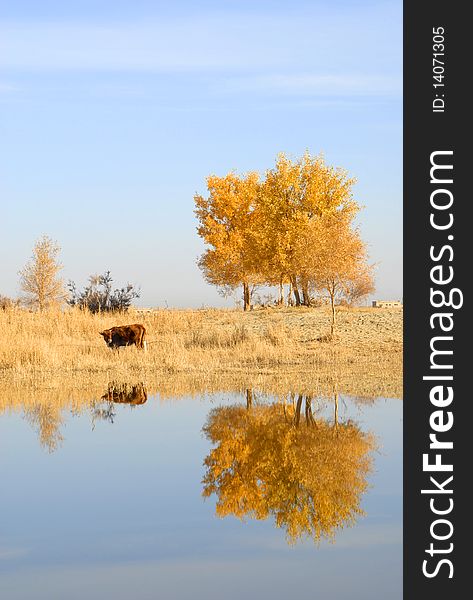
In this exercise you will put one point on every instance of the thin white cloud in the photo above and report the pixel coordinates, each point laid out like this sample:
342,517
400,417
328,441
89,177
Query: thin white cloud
8,88
315,85
135,47
11,553
373,535
249,41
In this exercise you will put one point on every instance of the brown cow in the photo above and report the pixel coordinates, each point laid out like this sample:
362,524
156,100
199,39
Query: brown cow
125,335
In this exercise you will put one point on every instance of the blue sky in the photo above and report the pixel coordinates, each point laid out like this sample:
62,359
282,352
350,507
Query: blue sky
113,113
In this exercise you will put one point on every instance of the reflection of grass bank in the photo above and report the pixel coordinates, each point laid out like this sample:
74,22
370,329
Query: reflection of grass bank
283,348
46,409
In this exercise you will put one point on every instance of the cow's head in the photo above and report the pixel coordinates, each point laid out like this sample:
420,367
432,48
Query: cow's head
107,336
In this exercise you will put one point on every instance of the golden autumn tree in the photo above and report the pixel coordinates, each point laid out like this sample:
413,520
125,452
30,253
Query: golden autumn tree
332,259
272,232
227,224
295,194
39,279
310,478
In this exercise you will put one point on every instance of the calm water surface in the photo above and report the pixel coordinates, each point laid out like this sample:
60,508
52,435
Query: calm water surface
117,510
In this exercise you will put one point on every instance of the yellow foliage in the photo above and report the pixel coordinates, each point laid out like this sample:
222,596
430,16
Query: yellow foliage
309,477
39,278
280,230
227,224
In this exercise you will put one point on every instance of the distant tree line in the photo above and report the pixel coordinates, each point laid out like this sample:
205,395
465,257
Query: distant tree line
294,228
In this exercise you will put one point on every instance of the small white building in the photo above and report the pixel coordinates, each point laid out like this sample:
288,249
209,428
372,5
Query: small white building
387,304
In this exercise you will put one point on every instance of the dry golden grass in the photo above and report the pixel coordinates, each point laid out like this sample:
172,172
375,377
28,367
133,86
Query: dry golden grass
211,349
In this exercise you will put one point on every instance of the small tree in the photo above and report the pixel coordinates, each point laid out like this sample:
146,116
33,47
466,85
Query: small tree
361,286
39,279
337,261
98,296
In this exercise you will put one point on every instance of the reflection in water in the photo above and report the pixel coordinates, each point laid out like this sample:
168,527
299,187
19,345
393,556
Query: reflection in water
133,395
274,460
282,459
47,419
46,409
128,394
308,474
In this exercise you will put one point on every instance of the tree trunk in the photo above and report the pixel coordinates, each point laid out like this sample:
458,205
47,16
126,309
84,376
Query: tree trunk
332,304
335,416
249,398
281,293
289,295
309,417
41,301
297,414
305,294
297,296
246,296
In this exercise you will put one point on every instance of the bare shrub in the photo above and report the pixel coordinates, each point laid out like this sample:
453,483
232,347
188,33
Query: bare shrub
7,303
98,296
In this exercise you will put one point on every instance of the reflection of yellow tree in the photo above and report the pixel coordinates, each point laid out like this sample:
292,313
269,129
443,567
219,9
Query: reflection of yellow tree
310,477
47,419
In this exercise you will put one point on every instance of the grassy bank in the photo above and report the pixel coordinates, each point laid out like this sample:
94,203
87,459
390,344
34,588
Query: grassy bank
205,348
